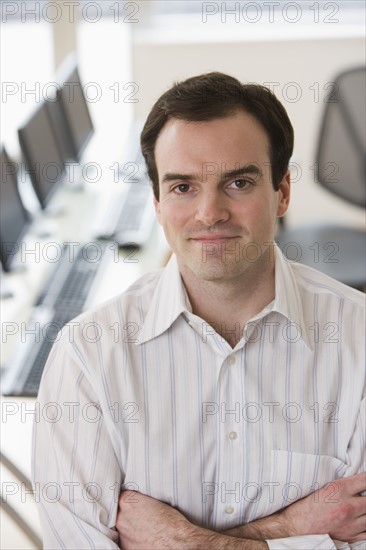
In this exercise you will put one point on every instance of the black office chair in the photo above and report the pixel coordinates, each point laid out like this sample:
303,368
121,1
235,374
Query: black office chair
338,251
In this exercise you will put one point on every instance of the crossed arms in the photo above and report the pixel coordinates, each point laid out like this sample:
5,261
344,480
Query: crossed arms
77,473
146,523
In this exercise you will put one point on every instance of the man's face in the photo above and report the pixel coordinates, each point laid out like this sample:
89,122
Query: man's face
217,204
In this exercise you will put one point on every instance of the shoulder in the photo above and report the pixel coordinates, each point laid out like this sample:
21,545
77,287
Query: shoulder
313,282
120,313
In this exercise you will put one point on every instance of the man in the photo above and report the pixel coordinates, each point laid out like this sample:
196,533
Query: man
239,394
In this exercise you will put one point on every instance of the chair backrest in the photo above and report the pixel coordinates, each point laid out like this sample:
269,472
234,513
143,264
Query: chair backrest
341,153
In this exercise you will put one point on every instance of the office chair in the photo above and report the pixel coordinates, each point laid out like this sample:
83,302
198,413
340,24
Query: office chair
336,250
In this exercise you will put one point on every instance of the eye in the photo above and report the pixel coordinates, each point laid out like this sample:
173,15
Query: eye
181,188
240,183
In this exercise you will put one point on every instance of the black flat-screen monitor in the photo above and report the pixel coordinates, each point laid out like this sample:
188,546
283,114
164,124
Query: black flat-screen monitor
14,218
42,155
69,112
61,129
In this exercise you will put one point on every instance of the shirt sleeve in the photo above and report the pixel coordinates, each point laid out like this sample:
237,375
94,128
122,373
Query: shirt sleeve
76,474
356,455
356,458
306,542
310,542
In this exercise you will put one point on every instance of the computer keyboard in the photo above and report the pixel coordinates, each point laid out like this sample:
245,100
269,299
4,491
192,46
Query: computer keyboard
69,285
133,209
63,298
129,216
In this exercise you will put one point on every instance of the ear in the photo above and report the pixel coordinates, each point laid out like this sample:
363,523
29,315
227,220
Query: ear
284,192
157,209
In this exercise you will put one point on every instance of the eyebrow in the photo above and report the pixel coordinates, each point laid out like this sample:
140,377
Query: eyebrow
252,169
242,171
175,176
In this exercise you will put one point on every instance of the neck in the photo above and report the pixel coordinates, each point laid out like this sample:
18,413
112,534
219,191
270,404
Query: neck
228,304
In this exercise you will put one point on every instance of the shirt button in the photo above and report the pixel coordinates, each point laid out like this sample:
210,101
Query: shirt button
233,435
229,510
231,360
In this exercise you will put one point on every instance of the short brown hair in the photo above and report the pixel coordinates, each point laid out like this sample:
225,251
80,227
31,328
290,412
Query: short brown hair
217,95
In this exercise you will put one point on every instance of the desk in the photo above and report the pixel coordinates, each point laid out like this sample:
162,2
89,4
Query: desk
18,413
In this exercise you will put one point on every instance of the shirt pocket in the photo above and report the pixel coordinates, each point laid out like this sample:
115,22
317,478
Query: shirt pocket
295,475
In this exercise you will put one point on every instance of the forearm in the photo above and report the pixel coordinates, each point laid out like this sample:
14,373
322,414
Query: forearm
308,525
342,518
200,538
270,527
275,532
144,522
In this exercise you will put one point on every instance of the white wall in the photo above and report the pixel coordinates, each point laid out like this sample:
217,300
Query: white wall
161,54
307,63
103,52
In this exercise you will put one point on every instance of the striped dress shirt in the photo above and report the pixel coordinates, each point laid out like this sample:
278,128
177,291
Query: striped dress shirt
143,394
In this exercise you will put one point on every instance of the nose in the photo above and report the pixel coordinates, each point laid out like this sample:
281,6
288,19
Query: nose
211,208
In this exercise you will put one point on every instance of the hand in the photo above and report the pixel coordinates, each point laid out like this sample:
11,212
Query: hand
144,522
337,509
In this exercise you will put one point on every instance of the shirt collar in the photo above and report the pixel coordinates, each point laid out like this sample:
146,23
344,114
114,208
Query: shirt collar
287,296
170,300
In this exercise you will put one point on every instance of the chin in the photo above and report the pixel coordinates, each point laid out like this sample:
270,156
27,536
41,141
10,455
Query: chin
215,270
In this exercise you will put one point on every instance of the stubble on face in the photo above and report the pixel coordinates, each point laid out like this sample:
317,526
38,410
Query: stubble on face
235,238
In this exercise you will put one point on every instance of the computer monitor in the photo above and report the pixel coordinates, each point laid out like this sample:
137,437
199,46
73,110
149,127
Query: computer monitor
70,113
42,155
14,218
61,129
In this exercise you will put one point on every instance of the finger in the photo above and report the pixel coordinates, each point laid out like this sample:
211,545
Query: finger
357,510
359,525
354,484
361,505
359,537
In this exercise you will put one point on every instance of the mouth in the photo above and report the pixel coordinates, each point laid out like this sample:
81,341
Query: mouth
213,238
